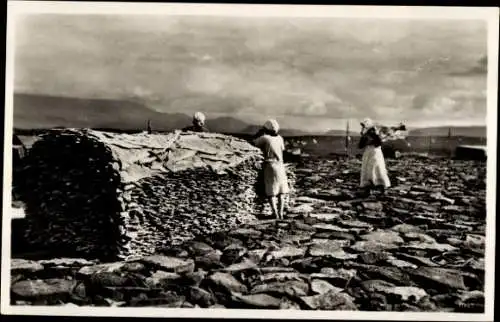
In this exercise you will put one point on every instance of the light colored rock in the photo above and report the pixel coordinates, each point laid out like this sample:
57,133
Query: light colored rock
406,228
400,263
439,196
326,247
325,217
309,200
19,266
279,277
170,264
297,238
302,209
329,227
245,232
321,287
375,206
288,252
107,267
475,241
245,264
371,246
355,224
161,277
256,255
199,248
406,293
384,236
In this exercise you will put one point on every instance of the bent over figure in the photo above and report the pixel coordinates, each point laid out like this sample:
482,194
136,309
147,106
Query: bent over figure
198,123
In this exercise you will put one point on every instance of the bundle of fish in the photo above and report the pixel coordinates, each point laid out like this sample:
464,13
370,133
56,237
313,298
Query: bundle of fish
392,133
104,195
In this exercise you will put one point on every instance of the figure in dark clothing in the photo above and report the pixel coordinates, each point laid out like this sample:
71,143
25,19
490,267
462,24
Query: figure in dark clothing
370,137
198,124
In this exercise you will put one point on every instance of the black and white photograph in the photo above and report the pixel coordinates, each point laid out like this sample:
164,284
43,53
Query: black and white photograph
223,160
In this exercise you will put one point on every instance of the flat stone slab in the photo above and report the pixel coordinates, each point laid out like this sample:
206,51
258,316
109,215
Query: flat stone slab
39,289
304,199
245,232
327,247
99,268
330,227
371,246
321,287
72,262
228,282
400,263
406,228
406,293
374,206
448,278
384,236
355,224
325,216
288,252
419,237
302,209
161,277
257,300
170,264
430,246
330,301
241,266
293,288
19,266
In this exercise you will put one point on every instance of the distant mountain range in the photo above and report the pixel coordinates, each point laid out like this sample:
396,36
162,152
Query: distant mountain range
42,112
466,131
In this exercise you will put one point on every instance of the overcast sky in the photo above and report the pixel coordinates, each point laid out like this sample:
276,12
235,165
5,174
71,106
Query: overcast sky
310,73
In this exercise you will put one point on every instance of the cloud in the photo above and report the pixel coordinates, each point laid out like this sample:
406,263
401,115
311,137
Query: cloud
480,68
299,68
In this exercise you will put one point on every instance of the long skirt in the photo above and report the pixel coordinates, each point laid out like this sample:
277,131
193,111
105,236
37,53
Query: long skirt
272,180
373,170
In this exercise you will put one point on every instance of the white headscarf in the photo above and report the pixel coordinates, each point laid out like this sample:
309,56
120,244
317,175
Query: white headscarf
368,123
272,125
200,117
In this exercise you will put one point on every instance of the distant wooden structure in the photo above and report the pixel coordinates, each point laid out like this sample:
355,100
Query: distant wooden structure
347,139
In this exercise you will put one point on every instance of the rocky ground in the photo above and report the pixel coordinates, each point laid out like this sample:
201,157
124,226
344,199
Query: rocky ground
420,248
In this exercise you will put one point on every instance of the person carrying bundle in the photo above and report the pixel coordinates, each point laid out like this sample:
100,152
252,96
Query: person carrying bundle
273,181
198,124
373,169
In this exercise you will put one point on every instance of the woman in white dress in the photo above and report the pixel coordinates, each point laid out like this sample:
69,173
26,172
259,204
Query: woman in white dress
373,169
274,180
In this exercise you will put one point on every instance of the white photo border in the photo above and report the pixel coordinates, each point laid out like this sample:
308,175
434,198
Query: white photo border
489,14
